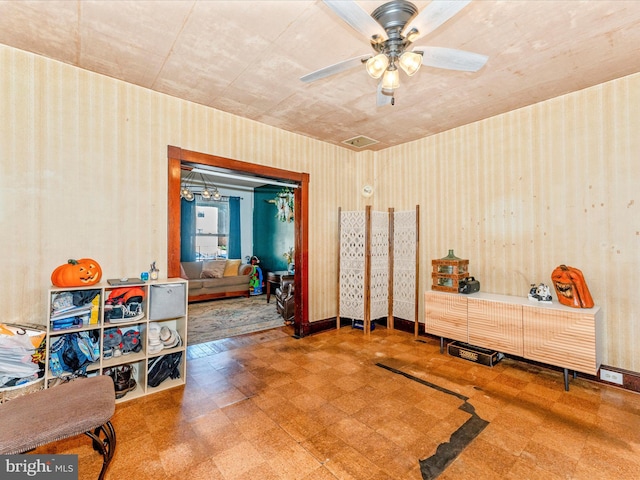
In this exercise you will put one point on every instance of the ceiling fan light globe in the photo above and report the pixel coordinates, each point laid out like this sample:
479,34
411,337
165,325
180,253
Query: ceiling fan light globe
391,79
377,65
216,195
189,197
410,62
412,35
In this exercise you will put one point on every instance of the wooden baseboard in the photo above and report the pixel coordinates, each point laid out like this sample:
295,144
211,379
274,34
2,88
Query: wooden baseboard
320,326
330,324
408,326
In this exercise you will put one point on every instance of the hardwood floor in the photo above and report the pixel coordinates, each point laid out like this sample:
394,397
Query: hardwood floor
341,405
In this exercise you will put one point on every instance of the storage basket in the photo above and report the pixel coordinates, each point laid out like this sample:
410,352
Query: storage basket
9,393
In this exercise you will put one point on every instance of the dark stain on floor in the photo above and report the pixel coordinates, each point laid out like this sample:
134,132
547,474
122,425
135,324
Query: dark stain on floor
447,452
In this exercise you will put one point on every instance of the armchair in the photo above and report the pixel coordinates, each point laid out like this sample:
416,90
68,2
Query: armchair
285,304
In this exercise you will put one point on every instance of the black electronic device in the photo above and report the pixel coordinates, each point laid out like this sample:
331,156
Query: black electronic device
469,285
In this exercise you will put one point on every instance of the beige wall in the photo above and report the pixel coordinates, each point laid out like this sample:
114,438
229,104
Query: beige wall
84,174
524,192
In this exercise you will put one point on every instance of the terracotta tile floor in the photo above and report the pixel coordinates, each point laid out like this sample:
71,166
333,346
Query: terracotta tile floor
268,406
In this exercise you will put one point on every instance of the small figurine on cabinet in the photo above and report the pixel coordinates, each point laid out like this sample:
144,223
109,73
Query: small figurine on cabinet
540,293
153,271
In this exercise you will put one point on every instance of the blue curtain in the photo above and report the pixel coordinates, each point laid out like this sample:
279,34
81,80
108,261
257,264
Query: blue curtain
234,249
187,231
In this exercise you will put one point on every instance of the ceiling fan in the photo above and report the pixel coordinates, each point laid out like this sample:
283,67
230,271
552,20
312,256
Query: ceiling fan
392,36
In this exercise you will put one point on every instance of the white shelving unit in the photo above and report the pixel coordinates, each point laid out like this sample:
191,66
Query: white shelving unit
165,302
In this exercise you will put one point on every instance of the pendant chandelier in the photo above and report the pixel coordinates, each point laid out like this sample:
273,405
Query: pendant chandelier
187,189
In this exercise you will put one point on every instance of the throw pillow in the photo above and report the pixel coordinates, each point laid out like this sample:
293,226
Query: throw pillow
213,269
231,269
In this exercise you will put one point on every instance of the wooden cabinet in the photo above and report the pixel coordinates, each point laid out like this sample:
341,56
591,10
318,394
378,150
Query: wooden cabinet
446,315
563,336
495,324
554,334
164,304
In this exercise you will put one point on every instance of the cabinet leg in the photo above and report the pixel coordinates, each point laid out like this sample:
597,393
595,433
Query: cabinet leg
566,379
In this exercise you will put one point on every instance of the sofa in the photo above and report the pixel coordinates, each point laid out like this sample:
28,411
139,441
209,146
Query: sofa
213,279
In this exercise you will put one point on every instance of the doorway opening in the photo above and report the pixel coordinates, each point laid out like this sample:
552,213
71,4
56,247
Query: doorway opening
178,157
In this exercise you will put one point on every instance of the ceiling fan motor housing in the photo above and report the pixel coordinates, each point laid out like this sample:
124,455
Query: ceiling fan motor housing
393,16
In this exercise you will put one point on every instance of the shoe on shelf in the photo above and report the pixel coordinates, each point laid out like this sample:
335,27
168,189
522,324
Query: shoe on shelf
127,312
131,342
123,380
123,387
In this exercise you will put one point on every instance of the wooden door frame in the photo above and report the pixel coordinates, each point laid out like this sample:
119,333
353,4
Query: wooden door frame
176,156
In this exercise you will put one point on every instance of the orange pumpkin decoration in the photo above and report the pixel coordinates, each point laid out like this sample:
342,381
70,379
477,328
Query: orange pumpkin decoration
571,288
77,273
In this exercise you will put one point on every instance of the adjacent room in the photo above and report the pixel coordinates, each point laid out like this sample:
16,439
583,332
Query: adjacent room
433,201
234,218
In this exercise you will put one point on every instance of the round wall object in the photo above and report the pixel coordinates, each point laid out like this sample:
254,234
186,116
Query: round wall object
367,191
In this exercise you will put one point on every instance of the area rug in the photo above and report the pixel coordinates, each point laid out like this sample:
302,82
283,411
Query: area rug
230,317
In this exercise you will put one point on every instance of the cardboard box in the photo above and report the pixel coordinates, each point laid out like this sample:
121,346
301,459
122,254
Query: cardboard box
474,354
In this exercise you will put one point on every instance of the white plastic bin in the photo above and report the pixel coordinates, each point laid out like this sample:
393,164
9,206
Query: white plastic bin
167,301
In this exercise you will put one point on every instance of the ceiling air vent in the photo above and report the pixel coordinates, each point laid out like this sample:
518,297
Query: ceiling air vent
360,141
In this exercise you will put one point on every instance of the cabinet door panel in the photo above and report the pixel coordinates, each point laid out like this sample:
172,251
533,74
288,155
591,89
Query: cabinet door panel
446,315
495,325
562,338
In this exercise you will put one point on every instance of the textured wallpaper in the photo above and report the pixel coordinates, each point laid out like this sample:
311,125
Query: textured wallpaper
83,163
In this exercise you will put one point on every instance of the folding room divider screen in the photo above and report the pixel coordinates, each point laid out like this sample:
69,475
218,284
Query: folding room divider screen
378,267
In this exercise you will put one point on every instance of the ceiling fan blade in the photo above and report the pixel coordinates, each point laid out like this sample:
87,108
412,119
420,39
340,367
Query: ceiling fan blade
451,59
356,17
382,98
335,68
434,15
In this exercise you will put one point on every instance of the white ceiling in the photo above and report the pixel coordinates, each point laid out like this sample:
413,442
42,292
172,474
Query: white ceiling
246,58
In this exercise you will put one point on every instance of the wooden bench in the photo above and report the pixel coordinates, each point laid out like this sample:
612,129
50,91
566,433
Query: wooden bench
84,405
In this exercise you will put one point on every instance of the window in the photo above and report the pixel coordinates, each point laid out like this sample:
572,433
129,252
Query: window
212,228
